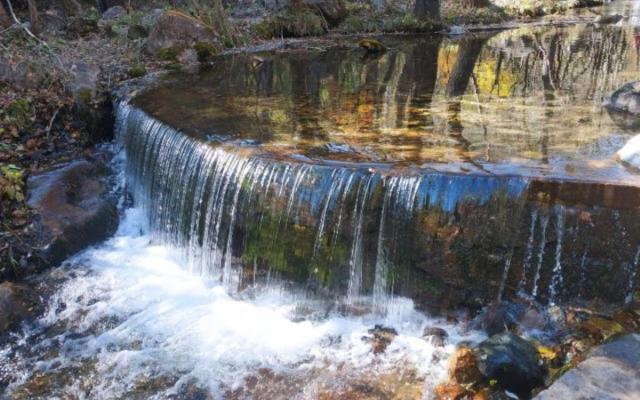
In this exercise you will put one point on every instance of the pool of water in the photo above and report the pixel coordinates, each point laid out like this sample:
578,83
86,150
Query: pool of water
524,102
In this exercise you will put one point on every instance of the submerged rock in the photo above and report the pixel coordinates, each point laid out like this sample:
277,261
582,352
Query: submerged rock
513,362
611,371
372,45
74,207
15,304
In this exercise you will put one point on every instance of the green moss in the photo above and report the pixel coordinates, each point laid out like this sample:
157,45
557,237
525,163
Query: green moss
84,95
18,113
168,54
137,71
205,51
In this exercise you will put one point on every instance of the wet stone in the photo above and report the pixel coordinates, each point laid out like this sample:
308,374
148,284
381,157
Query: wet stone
381,337
437,336
513,362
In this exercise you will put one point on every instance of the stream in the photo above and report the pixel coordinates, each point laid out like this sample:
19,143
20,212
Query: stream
278,214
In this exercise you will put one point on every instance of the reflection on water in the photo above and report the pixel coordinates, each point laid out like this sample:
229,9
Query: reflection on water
526,101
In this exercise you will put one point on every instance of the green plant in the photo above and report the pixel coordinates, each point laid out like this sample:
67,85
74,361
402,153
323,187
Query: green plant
11,182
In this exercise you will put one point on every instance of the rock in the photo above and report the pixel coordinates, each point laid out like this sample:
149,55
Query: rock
372,45
152,17
14,304
175,30
512,361
626,99
381,338
91,108
436,335
137,31
450,391
629,154
610,371
74,208
113,13
463,367
333,11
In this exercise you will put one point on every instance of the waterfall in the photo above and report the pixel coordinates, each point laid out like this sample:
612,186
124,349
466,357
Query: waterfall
556,277
355,260
543,243
505,274
232,209
632,273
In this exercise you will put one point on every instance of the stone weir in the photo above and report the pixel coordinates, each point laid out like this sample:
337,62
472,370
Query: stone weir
365,232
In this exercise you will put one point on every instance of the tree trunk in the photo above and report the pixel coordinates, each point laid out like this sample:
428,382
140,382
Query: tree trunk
34,17
5,20
427,9
468,53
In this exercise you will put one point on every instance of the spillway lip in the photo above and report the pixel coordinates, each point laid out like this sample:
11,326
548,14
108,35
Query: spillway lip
542,189
595,172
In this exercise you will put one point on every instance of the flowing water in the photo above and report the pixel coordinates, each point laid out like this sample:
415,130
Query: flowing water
279,212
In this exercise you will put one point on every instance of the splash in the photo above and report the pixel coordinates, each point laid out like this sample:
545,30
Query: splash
132,313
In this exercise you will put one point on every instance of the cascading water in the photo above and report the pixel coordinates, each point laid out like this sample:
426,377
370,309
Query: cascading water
633,268
529,255
544,222
556,278
212,217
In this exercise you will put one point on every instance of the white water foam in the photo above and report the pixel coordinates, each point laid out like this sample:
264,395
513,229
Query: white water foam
136,310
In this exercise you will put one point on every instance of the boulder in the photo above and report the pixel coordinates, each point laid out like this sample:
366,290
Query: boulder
513,362
15,304
113,13
74,208
624,106
175,30
93,110
610,371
